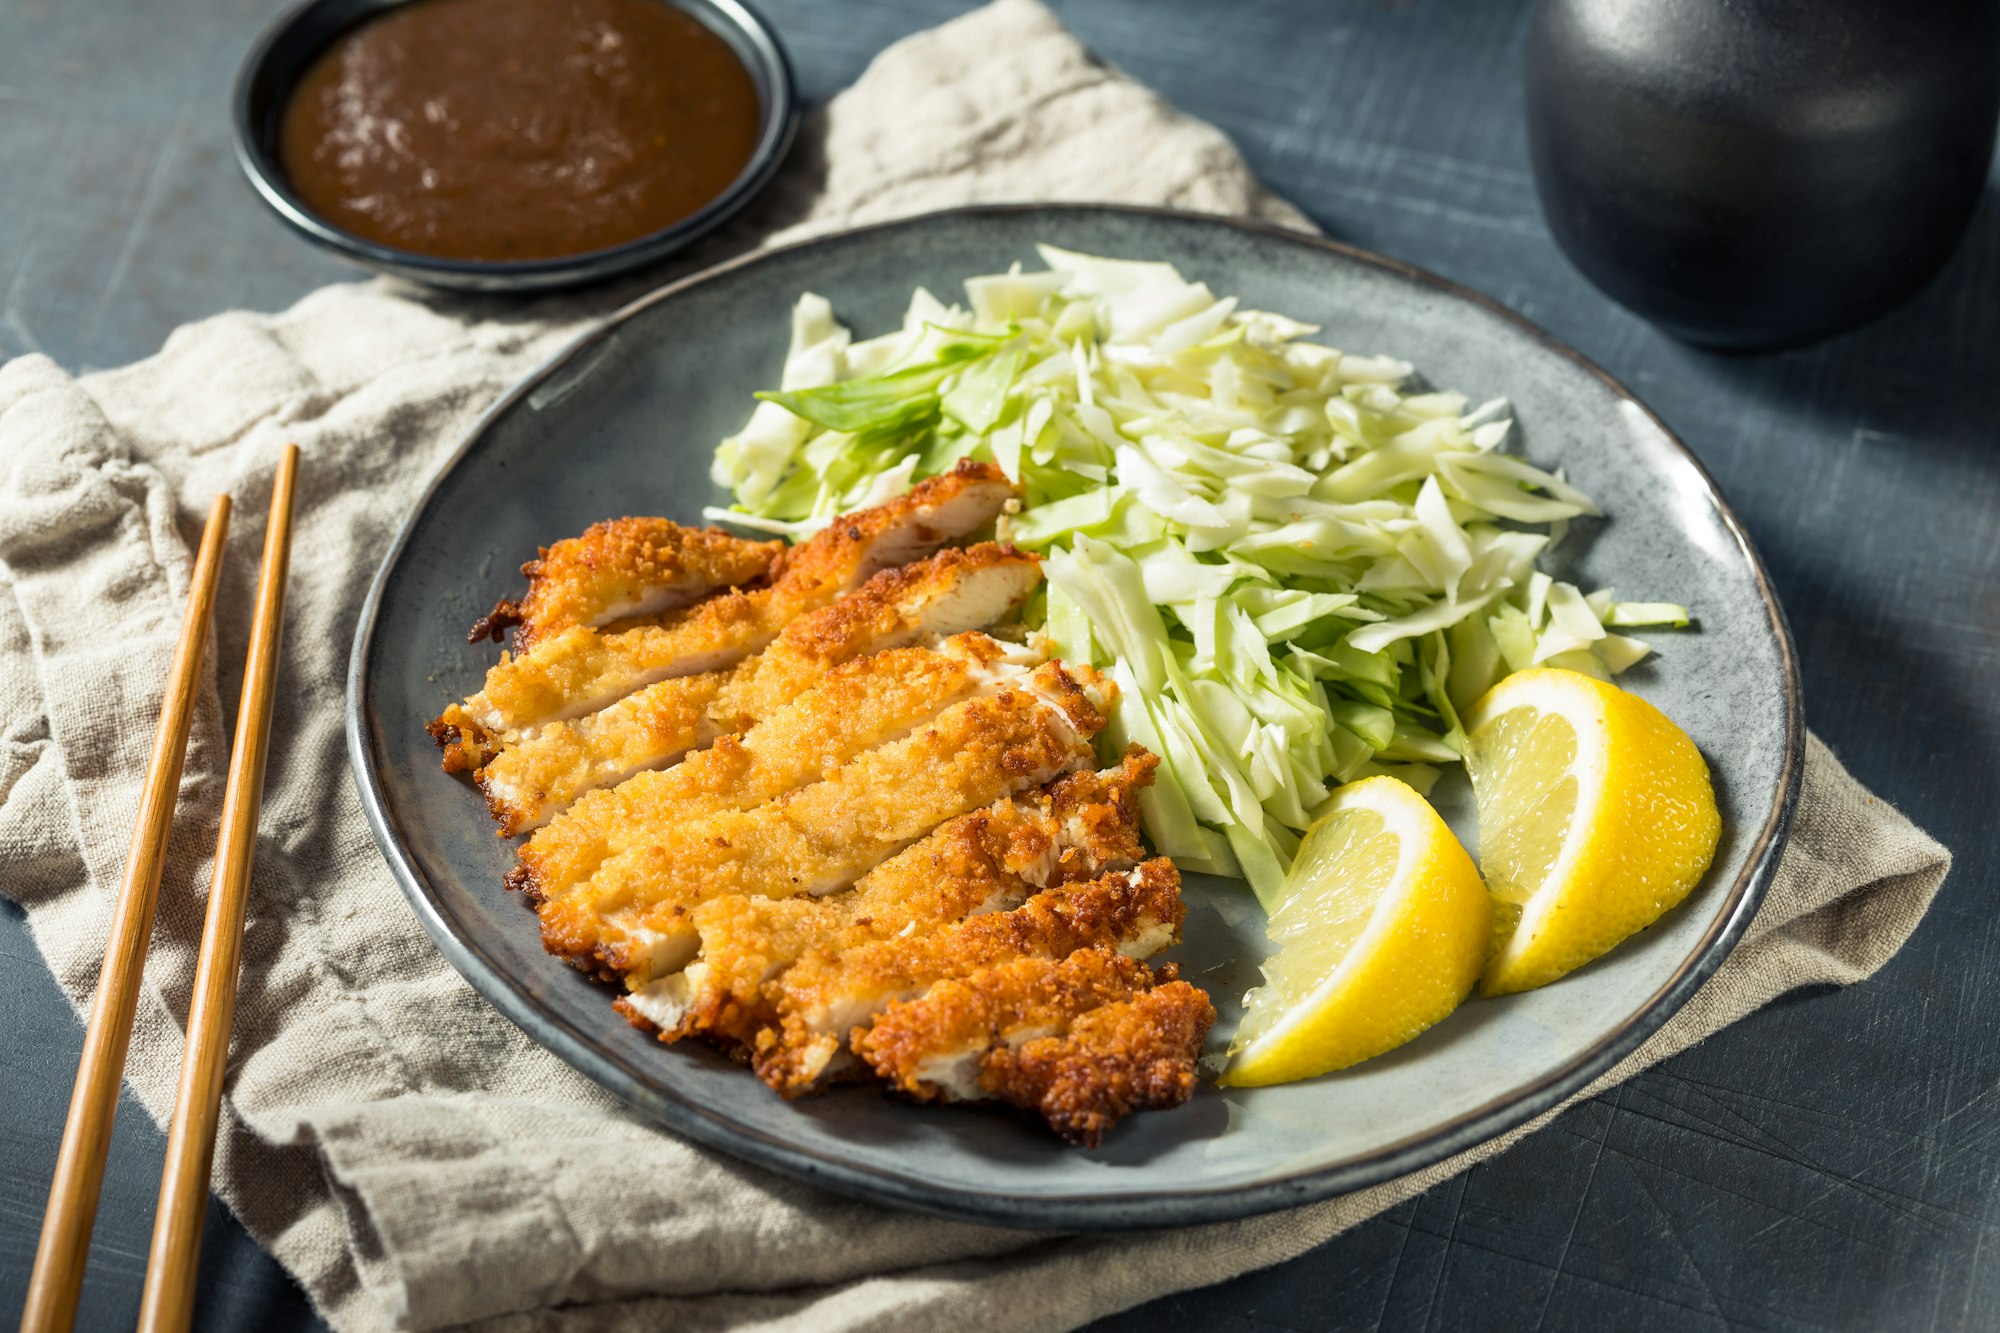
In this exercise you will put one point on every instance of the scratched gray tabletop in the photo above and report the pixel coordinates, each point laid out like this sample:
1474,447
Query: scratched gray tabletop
1832,1162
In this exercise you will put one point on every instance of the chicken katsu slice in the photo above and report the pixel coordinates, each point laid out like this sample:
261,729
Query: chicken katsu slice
1137,1055
1076,828
620,569
955,590
581,670
932,1048
853,708
550,767
825,996
1082,1040
635,914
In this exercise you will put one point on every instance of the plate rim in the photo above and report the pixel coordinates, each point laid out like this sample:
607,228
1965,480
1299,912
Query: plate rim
1079,1211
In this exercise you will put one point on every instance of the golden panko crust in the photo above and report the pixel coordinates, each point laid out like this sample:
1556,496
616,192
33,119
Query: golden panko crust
624,567
952,591
823,836
1074,829
962,1019
580,669
1136,1056
851,709
823,996
548,768
832,809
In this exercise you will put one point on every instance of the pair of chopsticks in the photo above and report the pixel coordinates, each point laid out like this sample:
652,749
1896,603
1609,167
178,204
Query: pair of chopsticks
168,1300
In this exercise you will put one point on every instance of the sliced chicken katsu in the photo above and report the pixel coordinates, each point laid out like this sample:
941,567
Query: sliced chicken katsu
827,995
955,590
1081,1040
581,670
1138,1055
931,1047
634,916
851,709
817,805
550,767
623,568
1077,828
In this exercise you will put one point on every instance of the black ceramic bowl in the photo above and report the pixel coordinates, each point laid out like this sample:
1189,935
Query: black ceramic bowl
287,49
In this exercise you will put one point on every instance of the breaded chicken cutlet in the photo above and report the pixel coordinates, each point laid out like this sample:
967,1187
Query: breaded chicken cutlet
581,669
822,807
992,860
549,767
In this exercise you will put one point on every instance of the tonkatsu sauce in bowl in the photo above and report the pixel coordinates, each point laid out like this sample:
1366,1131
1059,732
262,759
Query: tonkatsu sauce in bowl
512,144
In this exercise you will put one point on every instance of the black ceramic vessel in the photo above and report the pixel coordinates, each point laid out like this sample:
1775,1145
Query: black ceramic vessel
1754,174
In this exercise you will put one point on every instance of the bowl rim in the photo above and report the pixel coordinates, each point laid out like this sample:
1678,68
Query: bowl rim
769,65
1507,1111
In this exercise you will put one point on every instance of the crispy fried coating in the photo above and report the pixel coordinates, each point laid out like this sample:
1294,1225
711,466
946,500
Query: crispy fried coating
855,707
950,592
581,670
1139,1055
826,995
802,805
635,913
1074,829
953,506
931,1047
548,768
621,568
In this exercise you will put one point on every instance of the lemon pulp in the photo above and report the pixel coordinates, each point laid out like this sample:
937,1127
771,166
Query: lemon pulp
1519,845
1596,816
1380,928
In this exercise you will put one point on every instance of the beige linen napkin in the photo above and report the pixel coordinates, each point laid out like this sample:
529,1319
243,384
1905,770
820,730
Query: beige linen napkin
405,1151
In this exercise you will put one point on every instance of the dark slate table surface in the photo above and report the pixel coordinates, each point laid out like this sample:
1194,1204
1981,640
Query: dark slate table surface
1831,1162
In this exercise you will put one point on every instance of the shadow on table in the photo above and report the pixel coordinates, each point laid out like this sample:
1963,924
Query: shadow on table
1895,715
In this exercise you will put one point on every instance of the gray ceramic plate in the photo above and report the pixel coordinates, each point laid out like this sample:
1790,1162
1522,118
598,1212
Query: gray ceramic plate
623,423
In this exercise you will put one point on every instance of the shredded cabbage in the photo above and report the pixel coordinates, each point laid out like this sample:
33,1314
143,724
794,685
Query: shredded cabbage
1298,566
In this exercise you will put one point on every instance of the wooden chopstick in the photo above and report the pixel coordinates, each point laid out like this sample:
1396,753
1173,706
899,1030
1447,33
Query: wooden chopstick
93,1104
168,1299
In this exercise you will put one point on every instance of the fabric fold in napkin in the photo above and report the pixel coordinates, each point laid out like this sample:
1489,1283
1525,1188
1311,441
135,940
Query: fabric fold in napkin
404,1150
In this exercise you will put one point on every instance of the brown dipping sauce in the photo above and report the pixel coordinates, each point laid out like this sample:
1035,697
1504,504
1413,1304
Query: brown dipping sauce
519,129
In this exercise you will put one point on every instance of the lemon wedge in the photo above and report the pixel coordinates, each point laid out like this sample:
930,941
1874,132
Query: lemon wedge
1596,815
1381,927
